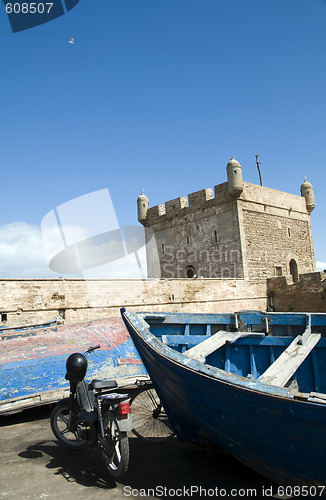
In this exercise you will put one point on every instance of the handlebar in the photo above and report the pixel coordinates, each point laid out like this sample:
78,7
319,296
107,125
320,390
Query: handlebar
91,349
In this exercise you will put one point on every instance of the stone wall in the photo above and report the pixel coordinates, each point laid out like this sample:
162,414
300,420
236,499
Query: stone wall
206,239
203,233
272,241
26,302
275,229
254,235
35,301
307,295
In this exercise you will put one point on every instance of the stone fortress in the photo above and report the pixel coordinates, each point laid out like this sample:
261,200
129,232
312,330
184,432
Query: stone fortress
241,231
240,247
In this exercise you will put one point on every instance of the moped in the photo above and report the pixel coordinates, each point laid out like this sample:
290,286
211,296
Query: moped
94,415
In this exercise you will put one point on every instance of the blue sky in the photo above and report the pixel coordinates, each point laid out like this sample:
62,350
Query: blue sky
157,94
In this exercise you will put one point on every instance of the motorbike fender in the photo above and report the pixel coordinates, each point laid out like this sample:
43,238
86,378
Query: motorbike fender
125,424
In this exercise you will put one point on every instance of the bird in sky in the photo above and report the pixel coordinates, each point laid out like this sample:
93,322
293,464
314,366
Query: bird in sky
72,40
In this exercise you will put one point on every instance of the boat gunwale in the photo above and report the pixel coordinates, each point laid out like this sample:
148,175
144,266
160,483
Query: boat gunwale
137,319
276,318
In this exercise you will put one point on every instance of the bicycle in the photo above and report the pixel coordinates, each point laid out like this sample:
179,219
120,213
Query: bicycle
150,421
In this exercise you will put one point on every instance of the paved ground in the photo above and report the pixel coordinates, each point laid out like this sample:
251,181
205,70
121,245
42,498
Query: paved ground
33,465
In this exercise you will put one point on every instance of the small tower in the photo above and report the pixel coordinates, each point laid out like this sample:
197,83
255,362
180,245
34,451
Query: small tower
235,182
308,193
142,207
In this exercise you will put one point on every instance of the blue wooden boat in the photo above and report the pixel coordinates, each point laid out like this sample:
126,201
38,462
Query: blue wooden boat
22,330
256,388
32,361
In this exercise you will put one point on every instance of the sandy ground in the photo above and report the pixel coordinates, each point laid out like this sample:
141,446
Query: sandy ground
33,465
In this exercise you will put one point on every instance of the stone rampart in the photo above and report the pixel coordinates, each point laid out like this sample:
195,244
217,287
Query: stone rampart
306,295
71,300
26,302
261,196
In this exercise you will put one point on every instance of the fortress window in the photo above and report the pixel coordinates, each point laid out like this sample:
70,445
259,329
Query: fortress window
289,232
190,272
162,247
278,271
215,236
187,240
294,270
62,313
3,316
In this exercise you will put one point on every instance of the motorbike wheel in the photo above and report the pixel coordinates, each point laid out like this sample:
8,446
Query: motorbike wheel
150,422
59,421
115,449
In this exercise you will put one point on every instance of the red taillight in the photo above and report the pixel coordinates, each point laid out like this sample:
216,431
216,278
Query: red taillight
124,408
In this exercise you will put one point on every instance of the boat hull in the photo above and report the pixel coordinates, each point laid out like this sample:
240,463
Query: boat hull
282,438
32,364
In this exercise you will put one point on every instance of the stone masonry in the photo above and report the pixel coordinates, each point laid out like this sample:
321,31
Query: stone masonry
306,295
242,231
25,302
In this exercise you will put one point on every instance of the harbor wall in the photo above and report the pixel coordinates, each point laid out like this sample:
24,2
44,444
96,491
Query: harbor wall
26,302
306,295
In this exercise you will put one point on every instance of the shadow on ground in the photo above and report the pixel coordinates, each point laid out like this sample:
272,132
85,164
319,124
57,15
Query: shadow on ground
155,468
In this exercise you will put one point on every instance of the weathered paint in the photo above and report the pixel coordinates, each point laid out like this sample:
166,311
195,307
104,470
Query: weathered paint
275,430
8,332
34,365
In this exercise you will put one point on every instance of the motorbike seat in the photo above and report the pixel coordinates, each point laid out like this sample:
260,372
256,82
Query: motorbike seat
100,385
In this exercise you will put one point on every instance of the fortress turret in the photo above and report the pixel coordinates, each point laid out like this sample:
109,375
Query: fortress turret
142,207
308,193
235,182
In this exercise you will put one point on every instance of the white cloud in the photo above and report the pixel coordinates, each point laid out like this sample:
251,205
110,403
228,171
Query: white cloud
320,265
22,255
125,268
21,252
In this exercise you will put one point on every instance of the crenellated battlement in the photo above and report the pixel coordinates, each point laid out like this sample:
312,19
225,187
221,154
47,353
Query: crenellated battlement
199,198
176,205
252,193
235,229
190,203
233,190
221,191
155,211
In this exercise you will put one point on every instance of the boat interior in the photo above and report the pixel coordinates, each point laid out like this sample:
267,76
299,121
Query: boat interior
280,349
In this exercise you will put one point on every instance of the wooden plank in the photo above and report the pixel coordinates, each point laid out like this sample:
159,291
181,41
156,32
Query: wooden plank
177,340
314,397
200,351
318,395
280,372
186,334
317,400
